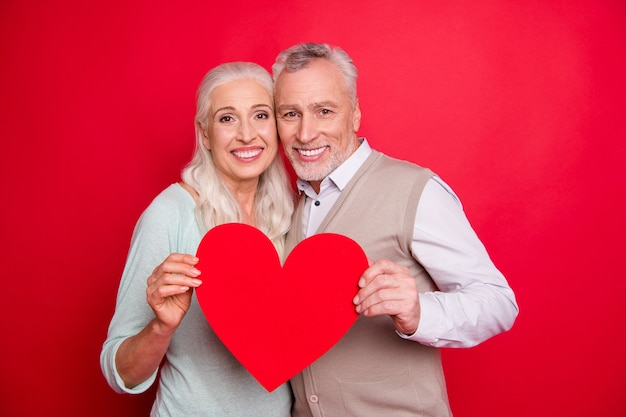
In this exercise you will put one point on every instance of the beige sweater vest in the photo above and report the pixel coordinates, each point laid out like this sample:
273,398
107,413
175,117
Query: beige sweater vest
371,371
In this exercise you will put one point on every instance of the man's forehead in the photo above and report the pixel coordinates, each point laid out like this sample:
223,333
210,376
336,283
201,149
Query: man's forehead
309,92
318,74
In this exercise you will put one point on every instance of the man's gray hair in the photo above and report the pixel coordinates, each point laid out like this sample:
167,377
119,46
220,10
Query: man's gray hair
300,56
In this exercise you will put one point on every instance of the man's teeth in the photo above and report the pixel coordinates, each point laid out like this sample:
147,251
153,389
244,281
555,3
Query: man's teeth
311,152
247,154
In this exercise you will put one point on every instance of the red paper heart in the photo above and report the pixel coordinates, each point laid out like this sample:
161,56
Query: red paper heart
277,320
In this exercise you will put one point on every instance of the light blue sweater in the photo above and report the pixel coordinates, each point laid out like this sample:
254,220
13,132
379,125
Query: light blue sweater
200,376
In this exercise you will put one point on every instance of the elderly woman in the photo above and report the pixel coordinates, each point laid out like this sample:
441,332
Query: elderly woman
234,176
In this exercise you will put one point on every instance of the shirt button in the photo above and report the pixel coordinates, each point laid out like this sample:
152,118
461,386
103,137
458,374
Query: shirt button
313,398
317,203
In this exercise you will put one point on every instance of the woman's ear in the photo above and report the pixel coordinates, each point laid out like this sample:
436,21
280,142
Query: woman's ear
202,136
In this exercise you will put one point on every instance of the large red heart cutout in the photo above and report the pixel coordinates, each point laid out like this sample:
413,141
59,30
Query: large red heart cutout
277,320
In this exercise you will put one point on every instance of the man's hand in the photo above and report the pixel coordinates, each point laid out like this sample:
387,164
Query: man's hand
388,289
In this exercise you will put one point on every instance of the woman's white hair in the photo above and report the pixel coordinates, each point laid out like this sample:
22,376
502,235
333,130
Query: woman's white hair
216,204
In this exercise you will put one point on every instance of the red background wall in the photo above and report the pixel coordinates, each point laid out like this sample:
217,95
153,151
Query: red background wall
518,105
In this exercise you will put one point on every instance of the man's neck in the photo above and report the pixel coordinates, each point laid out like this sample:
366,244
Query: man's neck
316,186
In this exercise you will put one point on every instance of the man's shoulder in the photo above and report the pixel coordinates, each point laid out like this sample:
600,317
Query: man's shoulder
391,164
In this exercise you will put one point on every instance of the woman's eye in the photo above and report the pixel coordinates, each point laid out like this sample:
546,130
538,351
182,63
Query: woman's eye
225,119
262,116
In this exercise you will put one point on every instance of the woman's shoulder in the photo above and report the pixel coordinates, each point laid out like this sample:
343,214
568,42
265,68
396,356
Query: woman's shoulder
175,196
169,221
174,203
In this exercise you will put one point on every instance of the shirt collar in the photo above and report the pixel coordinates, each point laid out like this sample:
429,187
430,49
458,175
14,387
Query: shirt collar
342,174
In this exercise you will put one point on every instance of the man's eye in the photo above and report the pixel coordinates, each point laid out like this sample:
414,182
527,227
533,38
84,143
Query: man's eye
290,114
325,112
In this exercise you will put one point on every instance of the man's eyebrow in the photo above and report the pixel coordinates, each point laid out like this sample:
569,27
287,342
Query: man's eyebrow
286,107
320,104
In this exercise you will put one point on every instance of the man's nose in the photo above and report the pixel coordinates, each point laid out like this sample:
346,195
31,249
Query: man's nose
308,129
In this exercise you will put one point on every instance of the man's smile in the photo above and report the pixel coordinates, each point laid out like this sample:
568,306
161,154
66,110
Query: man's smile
312,152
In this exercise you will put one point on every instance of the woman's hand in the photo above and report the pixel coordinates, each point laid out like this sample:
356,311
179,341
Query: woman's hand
169,290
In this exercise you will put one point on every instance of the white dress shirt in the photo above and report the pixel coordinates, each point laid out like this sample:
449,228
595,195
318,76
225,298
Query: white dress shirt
474,301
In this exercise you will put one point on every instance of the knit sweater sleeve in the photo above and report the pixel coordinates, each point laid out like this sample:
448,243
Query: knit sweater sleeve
156,235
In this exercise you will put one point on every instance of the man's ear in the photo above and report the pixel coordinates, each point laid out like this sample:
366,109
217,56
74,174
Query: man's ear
356,116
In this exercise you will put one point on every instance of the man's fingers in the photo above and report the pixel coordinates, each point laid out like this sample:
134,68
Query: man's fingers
382,301
381,267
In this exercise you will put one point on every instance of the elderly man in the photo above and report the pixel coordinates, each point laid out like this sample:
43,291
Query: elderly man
432,283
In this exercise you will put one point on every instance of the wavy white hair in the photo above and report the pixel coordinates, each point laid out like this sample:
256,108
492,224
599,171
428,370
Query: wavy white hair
216,204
